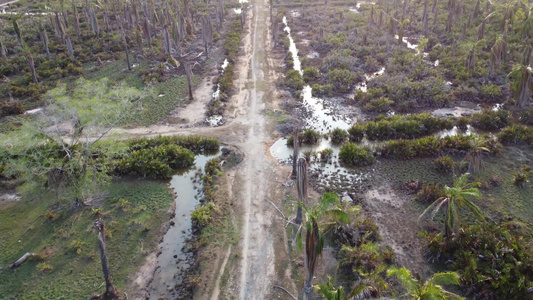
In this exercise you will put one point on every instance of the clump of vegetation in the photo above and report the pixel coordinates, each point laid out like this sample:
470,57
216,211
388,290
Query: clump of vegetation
444,164
326,154
404,126
380,105
493,260
310,74
355,156
526,117
356,133
491,119
310,136
515,134
201,216
338,135
294,79
522,176
233,38
429,193
157,162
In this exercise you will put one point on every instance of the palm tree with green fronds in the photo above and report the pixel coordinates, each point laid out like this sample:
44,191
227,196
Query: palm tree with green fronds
328,211
522,74
456,196
401,24
426,290
472,48
478,147
331,292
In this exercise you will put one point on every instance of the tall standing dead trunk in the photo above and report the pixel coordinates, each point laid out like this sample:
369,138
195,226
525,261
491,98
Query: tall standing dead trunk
76,19
26,50
109,288
301,185
296,150
3,50
205,35
425,17
435,12
70,49
44,39
94,23
188,73
275,32
312,247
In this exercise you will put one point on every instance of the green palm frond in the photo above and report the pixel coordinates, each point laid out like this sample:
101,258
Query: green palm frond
404,276
445,278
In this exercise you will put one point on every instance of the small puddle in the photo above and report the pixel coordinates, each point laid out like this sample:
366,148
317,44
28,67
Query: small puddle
217,120
173,260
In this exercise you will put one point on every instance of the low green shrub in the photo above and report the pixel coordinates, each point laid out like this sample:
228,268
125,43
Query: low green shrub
491,120
444,164
429,193
156,162
310,136
321,90
526,117
356,133
195,143
516,134
201,216
11,108
294,80
352,155
381,104
493,260
325,155
405,126
310,74
338,135
233,38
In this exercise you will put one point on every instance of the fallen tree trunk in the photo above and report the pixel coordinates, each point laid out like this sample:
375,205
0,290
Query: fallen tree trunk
21,260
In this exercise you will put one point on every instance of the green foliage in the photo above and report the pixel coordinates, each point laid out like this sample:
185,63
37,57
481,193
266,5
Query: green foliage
310,74
75,276
310,136
381,104
195,143
456,196
491,120
522,176
233,38
322,89
526,117
11,108
325,155
405,126
515,134
157,162
342,80
356,133
352,155
294,79
493,260
429,193
44,268
490,92
338,135
444,164
431,289
226,81
201,216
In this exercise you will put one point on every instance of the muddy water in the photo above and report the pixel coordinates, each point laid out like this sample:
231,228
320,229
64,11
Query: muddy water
216,120
173,260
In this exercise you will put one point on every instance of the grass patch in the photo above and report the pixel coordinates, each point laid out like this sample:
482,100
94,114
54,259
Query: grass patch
132,227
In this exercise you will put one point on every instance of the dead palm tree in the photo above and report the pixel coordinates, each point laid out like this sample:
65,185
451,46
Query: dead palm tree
456,196
25,48
470,62
401,24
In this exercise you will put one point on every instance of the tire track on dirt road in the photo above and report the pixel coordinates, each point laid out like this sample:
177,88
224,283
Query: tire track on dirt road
257,266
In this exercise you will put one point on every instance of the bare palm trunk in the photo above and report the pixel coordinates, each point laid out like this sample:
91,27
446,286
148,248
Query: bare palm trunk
99,225
189,81
301,185
296,145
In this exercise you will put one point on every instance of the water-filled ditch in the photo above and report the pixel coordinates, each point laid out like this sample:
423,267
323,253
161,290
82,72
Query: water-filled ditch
174,258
